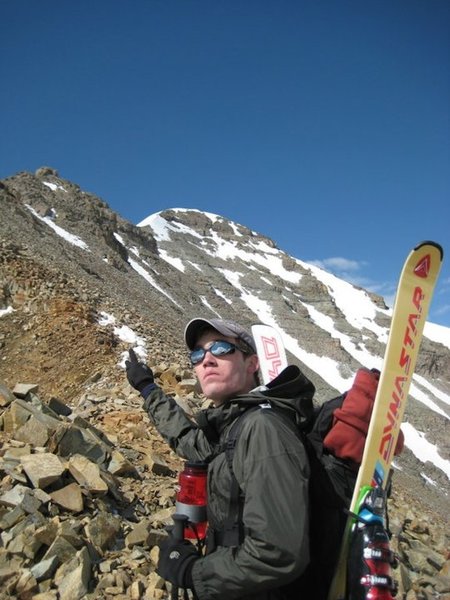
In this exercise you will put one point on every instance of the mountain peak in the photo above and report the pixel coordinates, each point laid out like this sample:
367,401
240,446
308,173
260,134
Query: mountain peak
65,247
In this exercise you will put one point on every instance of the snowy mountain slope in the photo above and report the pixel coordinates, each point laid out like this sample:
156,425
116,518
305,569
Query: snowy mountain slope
182,263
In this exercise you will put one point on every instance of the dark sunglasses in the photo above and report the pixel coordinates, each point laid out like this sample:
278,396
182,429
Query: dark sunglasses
218,348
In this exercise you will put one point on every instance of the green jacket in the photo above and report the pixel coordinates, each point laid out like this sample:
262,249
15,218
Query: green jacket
271,467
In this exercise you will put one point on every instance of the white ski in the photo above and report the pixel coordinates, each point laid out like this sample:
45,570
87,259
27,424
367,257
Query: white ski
270,350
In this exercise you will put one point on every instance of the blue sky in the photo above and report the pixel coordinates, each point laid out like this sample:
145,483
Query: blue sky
322,124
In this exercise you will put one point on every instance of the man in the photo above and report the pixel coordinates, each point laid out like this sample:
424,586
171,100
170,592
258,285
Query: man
269,464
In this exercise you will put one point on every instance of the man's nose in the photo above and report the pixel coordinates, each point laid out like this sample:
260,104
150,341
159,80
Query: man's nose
209,357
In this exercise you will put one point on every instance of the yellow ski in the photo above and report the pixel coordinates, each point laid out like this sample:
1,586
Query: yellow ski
414,293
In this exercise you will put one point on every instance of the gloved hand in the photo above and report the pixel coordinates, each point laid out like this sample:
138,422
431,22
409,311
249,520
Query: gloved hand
176,559
139,375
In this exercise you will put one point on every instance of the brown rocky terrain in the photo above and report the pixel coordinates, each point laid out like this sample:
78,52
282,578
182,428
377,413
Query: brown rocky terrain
69,533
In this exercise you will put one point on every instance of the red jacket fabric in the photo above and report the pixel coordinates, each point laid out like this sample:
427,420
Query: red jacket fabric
347,435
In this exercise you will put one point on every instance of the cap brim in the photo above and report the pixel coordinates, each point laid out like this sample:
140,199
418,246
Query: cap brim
228,329
195,327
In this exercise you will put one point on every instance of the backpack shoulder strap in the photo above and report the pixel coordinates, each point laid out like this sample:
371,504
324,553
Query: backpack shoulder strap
232,533
234,433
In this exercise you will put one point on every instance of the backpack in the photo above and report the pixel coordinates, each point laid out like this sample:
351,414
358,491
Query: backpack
330,489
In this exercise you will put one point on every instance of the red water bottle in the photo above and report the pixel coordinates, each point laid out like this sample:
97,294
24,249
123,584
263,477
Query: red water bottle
191,499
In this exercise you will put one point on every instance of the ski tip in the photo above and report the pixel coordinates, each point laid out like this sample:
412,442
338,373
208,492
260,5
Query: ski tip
431,243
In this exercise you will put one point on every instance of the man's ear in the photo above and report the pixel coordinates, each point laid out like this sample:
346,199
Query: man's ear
253,363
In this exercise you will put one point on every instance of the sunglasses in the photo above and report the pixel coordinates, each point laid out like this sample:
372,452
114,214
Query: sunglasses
218,348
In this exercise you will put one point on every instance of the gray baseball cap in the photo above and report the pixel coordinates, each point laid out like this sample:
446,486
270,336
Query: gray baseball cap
226,328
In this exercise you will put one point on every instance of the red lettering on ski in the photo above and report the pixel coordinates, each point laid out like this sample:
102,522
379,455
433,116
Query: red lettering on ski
412,321
272,353
392,417
418,296
404,362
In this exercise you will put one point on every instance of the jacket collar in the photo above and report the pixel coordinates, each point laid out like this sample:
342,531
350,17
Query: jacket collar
290,391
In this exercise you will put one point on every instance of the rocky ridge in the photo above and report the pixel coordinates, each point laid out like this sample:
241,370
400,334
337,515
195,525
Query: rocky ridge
53,338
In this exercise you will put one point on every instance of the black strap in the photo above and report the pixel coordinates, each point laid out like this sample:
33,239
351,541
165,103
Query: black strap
233,528
232,532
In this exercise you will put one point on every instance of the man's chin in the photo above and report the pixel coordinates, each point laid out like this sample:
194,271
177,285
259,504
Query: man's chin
216,393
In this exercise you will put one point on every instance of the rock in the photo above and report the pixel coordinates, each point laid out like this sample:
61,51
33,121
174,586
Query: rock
158,465
16,416
7,572
21,390
59,407
136,590
25,585
102,531
139,535
6,396
442,584
78,440
87,474
162,518
119,465
42,469
445,570
69,497
49,595
72,578
11,517
47,533
155,584
46,171
45,568
21,497
20,411
21,540
14,454
32,432
61,548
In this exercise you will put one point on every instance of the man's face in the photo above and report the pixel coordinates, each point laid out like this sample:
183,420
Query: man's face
223,377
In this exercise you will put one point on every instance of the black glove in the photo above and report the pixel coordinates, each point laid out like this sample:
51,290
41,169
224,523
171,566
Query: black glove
176,559
138,374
